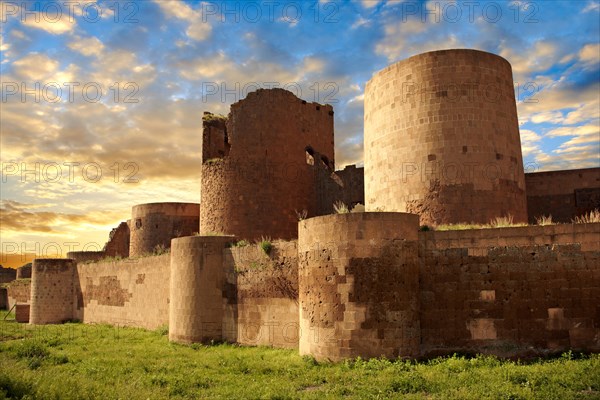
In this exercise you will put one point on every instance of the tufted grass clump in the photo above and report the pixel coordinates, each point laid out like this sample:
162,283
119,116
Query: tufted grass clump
340,207
265,244
589,218
241,243
544,220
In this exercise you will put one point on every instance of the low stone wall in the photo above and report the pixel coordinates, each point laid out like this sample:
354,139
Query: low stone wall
587,235
18,292
22,312
262,301
511,301
132,292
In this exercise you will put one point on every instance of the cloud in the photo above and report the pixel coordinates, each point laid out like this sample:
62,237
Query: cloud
55,24
197,29
581,131
90,46
530,142
590,55
408,37
35,67
360,21
20,217
369,3
537,58
591,6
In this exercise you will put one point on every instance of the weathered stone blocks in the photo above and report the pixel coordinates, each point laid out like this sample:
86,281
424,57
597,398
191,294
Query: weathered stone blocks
358,285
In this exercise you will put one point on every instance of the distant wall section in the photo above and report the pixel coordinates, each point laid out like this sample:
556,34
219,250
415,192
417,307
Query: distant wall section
562,194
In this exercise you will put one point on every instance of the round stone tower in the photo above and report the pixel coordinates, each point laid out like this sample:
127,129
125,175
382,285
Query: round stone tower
155,224
196,288
358,286
273,142
52,297
442,139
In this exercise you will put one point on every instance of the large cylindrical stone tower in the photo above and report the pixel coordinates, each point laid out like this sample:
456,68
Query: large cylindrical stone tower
266,174
52,297
197,288
155,224
358,284
442,139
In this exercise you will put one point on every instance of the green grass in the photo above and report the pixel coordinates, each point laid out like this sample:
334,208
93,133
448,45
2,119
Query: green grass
77,361
265,244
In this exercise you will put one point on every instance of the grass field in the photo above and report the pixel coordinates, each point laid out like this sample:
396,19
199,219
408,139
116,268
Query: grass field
77,361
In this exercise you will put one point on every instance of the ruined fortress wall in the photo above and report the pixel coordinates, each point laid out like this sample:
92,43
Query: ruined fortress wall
197,289
215,143
262,302
562,194
118,243
256,189
52,294
358,285
346,186
155,224
512,300
442,139
131,292
7,275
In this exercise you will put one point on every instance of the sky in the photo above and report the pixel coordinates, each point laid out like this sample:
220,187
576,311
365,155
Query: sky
102,101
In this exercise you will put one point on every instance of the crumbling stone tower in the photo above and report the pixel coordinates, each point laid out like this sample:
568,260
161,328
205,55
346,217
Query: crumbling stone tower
442,139
259,165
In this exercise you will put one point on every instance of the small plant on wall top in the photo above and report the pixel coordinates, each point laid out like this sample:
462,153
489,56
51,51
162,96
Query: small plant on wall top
160,249
266,245
544,220
301,215
591,217
340,208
